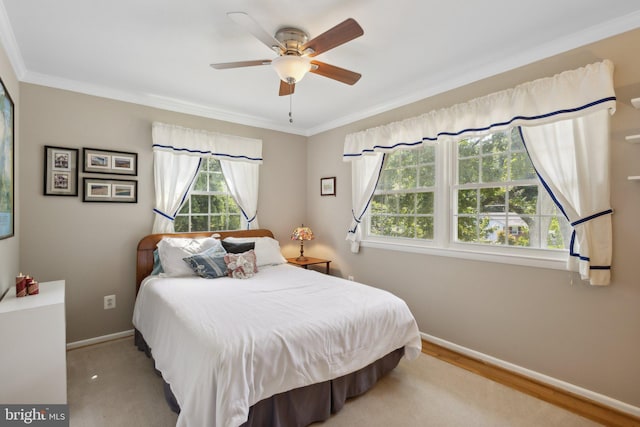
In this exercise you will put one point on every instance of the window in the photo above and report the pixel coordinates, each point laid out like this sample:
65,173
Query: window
499,199
478,194
403,203
210,207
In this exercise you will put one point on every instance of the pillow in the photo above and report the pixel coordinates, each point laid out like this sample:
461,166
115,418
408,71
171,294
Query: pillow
157,265
209,264
267,249
173,250
237,248
241,266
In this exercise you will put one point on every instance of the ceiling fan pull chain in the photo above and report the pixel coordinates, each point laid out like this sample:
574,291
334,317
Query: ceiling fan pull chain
290,107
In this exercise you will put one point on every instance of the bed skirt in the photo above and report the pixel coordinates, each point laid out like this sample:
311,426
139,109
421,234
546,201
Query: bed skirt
306,405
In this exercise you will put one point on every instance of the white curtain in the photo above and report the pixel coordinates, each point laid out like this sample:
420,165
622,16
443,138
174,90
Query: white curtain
177,154
174,176
243,179
572,159
365,173
573,97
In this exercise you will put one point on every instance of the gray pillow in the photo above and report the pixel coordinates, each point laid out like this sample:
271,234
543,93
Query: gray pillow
209,264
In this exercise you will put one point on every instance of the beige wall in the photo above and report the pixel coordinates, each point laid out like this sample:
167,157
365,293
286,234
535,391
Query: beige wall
545,320
92,245
9,247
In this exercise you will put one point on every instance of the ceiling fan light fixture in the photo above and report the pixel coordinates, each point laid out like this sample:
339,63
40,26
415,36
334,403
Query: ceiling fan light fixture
291,68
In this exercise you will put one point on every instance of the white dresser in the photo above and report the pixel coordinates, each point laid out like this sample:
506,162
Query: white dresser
33,359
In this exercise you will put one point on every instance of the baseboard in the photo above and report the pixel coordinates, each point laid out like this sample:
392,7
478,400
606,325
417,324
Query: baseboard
586,403
98,340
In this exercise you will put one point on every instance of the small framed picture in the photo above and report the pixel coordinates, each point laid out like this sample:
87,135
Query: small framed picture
110,190
60,171
328,186
107,161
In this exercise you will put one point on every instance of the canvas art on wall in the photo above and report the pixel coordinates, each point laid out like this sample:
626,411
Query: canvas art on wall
6,163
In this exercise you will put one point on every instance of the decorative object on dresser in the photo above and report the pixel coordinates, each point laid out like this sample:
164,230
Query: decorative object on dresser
110,190
6,163
108,161
302,233
60,171
328,186
310,261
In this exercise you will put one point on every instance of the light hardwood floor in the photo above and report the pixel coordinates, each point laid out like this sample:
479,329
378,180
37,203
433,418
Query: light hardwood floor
113,384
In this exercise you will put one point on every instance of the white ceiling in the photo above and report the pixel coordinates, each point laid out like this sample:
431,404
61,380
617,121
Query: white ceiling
157,52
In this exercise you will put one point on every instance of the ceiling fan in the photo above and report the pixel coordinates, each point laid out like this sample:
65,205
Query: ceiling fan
295,51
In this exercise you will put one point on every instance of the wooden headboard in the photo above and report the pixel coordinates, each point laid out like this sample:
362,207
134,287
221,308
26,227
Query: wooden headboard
146,246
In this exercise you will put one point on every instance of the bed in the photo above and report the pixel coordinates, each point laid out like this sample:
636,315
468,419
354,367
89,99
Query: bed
286,347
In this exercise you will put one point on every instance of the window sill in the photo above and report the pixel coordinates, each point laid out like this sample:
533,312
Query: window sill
559,262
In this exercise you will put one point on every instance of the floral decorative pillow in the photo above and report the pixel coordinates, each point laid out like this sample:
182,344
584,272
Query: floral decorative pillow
241,266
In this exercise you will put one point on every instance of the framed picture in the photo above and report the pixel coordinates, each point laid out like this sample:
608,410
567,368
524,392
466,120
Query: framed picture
110,190
60,171
328,186
107,161
6,164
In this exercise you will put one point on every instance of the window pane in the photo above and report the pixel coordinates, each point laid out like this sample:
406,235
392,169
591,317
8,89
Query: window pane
388,180
497,142
468,201
217,222
380,225
523,199
234,222
492,199
232,207
468,170
216,182
181,224
201,182
185,208
468,148
494,168
521,167
408,178
424,203
199,204
467,229
427,176
218,204
199,223
424,228
427,154
524,231
408,157
407,204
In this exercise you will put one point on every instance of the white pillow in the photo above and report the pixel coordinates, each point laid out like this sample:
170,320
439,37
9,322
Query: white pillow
172,250
267,249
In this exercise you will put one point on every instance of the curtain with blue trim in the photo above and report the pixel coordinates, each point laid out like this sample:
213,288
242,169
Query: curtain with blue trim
569,96
177,153
571,158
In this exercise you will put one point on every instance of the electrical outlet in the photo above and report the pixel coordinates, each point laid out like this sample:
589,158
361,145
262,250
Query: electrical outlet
350,278
109,302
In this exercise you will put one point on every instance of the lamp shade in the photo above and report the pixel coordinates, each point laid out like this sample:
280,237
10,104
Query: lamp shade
291,68
302,233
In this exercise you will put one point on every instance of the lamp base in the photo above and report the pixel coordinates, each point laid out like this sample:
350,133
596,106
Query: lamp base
302,258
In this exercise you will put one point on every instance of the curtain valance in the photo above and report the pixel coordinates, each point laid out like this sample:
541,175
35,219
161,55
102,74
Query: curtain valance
566,95
200,143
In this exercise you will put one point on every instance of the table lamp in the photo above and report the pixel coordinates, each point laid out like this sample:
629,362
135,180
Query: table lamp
302,233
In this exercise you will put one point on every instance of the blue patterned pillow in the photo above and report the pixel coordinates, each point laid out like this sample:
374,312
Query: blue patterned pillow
209,264
157,266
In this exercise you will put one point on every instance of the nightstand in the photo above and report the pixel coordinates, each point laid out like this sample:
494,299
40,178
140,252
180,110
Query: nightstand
310,261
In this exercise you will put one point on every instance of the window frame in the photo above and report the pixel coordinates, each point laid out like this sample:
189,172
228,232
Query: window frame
209,194
443,243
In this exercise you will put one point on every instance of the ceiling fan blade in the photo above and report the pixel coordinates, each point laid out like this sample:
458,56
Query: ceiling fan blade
286,88
239,64
341,33
335,73
249,24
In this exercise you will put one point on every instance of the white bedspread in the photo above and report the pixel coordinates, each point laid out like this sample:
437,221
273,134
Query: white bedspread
225,344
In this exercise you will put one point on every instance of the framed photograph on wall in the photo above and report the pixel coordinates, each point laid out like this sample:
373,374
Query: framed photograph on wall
60,171
107,161
7,211
109,190
328,186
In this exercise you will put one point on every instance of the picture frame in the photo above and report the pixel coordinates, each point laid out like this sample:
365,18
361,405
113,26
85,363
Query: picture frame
328,186
7,168
60,171
107,161
109,190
